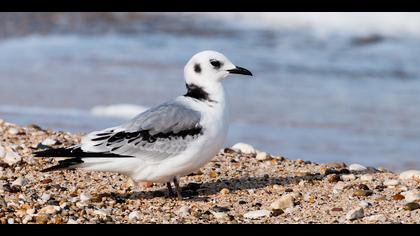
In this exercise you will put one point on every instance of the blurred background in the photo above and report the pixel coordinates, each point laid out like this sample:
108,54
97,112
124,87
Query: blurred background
328,87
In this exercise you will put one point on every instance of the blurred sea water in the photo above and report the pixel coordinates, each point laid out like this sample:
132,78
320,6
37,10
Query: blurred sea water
328,87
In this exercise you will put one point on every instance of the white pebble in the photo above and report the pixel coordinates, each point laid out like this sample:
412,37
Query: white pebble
348,177
251,191
133,216
411,196
391,182
410,174
183,211
71,222
45,197
10,221
49,142
219,215
366,178
376,218
19,182
11,157
257,214
26,219
364,204
338,187
357,167
84,197
30,212
13,131
50,209
244,148
355,214
262,156
2,152
284,202
101,212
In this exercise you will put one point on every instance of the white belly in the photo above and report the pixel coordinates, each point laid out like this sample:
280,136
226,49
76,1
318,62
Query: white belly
201,151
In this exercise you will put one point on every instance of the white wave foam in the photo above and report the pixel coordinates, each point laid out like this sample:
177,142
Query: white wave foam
385,23
24,110
124,111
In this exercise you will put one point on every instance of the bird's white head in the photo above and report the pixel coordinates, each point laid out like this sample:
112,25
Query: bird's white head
209,67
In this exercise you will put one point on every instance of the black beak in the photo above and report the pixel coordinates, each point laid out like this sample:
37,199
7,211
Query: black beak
240,70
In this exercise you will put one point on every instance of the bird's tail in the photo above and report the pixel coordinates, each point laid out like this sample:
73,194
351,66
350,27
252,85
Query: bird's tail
64,164
70,162
57,152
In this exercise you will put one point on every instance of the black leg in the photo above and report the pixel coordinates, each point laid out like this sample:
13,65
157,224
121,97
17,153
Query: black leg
170,191
177,188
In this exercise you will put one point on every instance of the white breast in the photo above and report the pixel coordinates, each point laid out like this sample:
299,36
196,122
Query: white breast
215,121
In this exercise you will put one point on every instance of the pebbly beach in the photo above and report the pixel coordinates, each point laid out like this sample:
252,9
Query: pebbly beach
240,185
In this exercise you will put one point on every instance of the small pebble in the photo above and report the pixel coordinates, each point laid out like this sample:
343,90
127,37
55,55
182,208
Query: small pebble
257,214
366,178
85,197
333,178
219,215
213,174
410,174
277,212
183,211
147,184
19,182
364,204
220,209
411,206
411,196
262,156
71,222
363,187
375,218
357,167
46,181
284,202
41,219
11,157
391,182
135,215
338,187
355,214
362,193
3,203
49,142
2,152
45,197
348,177
244,148
224,191
13,131
50,209
398,197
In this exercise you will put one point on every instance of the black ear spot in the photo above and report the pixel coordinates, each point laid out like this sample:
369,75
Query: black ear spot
217,64
197,68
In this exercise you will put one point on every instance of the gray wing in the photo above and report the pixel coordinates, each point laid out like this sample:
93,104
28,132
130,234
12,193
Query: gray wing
156,134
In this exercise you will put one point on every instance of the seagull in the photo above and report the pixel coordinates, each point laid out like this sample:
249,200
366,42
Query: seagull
165,142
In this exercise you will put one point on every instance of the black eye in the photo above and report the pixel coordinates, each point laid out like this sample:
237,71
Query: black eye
216,63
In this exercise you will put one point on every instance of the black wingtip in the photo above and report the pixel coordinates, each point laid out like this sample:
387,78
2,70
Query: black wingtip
53,152
64,164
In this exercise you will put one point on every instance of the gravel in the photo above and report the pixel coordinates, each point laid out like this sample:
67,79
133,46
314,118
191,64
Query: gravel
234,187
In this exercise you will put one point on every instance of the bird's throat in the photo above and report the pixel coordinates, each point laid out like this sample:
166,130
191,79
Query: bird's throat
198,93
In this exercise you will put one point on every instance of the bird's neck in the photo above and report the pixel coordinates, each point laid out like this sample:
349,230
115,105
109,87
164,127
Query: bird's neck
213,93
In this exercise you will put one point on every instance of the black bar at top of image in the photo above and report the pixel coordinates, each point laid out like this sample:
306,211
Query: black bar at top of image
209,5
